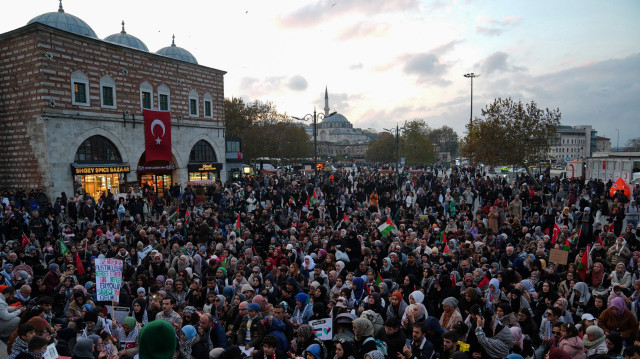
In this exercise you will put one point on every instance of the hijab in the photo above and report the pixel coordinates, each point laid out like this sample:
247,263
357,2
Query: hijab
358,288
83,348
596,278
618,302
312,263
418,296
585,296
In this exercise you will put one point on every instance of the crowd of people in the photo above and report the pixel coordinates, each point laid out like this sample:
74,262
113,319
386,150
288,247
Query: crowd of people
434,263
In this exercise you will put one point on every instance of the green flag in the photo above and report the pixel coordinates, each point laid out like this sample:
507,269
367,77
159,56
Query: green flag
63,248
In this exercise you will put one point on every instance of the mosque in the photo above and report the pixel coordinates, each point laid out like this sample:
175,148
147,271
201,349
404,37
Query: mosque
71,110
336,136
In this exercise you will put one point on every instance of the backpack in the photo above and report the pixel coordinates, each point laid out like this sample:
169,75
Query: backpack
380,345
121,209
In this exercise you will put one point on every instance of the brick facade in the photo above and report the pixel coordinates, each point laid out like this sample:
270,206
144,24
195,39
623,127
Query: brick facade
40,128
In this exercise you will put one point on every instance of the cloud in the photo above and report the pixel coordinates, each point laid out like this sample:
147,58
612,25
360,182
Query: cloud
255,87
297,83
498,62
602,94
492,27
324,10
426,67
363,29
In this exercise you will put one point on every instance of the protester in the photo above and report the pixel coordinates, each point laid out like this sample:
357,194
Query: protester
415,255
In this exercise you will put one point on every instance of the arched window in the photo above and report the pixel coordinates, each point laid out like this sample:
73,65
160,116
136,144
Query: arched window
97,149
202,152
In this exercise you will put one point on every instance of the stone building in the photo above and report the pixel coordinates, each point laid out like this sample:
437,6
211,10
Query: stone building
71,109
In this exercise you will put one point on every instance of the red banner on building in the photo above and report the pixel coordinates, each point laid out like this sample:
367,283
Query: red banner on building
157,135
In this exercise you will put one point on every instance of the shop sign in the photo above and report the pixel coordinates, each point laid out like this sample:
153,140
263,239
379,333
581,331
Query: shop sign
99,170
155,168
205,167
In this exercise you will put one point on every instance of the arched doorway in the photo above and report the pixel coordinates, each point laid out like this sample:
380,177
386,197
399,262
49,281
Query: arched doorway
97,167
155,177
203,163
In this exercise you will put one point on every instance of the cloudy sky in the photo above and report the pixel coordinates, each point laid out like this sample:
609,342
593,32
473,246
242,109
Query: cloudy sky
390,61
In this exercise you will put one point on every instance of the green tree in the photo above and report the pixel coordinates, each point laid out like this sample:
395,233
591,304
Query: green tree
382,149
445,139
415,144
511,133
264,131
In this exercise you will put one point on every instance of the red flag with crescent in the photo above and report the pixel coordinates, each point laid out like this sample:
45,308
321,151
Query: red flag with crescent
157,135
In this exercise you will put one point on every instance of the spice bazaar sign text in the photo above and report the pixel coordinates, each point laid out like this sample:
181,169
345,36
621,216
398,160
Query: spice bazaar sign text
100,170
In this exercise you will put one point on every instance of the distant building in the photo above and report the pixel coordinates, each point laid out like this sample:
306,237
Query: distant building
573,143
603,144
336,136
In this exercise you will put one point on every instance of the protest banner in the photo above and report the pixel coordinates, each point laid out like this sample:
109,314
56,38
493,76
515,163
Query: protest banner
322,328
119,313
108,279
558,256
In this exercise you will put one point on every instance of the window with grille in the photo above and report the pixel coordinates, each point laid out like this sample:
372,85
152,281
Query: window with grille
202,152
97,149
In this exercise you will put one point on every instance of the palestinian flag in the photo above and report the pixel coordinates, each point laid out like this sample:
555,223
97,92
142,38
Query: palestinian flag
556,231
238,225
484,282
313,199
187,213
610,229
25,240
174,216
292,202
583,266
444,238
567,245
601,242
63,248
378,279
386,227
308,203
446,250
345,219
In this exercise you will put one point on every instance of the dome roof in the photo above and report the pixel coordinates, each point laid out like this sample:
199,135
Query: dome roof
122,38
177,53
336,117
64,21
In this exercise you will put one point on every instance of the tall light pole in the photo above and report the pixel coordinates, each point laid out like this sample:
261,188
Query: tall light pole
397,147
314,118
471,76
618,141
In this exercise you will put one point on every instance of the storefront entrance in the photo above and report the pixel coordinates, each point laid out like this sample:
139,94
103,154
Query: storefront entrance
155,176
98,180
157,182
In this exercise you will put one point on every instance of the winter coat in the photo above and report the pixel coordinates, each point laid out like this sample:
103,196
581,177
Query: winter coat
573,346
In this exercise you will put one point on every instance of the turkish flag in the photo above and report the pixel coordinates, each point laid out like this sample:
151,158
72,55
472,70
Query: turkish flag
157,135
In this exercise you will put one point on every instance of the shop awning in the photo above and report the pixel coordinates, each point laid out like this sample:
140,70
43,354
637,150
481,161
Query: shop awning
386,171
201,183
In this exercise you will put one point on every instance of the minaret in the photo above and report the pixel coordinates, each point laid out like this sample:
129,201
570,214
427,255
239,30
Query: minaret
326,102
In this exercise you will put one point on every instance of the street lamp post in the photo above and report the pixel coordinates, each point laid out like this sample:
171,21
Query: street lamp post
471,76
397,147
618,141
314,118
